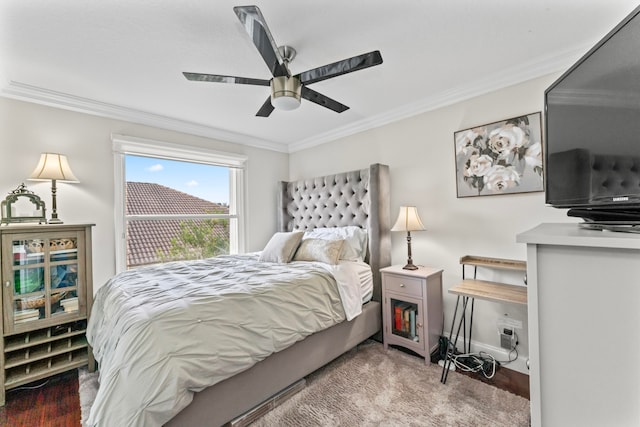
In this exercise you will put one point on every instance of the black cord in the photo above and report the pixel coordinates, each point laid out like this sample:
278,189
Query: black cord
476,362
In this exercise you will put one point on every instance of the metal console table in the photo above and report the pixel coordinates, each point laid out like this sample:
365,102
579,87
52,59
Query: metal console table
470,289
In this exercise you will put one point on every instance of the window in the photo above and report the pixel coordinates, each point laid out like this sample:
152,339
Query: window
175,202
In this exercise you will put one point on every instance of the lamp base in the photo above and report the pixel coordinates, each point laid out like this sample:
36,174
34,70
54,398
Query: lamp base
55,221
410,267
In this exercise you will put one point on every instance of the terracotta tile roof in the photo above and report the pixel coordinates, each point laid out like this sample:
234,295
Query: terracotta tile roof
145,238
148,198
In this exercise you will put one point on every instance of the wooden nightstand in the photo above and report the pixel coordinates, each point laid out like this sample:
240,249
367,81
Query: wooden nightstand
412,308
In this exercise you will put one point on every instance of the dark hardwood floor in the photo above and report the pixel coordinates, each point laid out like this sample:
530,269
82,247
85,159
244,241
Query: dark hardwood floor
54,404
505,379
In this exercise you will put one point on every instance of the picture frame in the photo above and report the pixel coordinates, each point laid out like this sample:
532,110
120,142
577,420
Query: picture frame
503,157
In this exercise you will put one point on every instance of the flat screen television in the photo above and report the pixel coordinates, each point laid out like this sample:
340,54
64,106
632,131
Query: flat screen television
592,132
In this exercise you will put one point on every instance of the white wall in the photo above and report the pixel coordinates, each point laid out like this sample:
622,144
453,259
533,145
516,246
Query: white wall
418,150
420,155
28,129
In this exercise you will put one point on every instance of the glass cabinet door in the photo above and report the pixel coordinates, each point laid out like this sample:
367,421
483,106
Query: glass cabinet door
63,267
405,319
28,280
45,277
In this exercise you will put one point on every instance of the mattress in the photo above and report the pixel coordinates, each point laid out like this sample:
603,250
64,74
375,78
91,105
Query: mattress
164,332
365,278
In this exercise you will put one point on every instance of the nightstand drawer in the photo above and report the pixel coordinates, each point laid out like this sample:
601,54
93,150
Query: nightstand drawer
403,285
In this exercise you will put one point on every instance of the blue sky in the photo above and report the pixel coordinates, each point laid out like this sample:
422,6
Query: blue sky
205,181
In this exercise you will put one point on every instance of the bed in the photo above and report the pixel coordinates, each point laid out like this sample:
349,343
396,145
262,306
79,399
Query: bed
341,201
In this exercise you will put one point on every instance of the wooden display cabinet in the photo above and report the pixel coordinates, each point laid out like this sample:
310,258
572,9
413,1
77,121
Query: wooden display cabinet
47,293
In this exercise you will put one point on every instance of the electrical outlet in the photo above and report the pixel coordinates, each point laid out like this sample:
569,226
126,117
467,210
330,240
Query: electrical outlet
507,338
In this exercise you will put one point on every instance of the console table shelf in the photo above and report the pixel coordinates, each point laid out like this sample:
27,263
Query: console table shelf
491,291
505,264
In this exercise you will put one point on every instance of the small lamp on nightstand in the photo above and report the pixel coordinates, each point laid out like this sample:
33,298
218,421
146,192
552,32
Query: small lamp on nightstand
54,167
408,220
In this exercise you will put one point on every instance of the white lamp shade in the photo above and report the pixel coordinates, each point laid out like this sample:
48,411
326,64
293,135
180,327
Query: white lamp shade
408,220
53,166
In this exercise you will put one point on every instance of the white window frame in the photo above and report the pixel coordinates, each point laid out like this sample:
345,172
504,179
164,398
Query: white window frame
129,145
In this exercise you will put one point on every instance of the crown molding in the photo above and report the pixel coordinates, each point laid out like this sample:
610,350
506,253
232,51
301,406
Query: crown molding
507,77
51,98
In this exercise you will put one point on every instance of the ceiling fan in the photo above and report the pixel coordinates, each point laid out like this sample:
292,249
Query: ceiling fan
287,89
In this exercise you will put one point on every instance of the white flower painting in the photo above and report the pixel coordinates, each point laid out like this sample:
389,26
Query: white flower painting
500,158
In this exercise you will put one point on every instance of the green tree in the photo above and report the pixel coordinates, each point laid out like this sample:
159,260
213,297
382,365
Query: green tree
198,239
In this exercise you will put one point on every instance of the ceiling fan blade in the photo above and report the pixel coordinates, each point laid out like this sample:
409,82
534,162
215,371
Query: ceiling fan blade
323,100
255,24
198,77
339,68
266,109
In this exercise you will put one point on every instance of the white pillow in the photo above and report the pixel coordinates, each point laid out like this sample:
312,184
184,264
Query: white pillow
327,251
355,247
281,247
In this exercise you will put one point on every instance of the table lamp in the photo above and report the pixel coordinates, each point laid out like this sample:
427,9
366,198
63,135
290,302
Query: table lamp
408,220
54,167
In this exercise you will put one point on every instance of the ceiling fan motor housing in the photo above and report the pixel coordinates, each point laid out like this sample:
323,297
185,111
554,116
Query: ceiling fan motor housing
285,92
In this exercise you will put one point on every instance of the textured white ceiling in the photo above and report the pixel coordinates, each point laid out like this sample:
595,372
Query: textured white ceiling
124,58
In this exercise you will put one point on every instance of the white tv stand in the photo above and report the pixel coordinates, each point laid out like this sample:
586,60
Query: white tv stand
583,309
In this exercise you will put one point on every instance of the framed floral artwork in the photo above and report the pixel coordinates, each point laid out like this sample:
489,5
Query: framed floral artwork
500,158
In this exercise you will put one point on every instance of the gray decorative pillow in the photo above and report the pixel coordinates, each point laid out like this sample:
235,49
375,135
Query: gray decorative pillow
281,247
327,251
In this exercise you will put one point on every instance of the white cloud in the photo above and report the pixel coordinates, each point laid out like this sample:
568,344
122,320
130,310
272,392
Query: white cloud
192,183
155,168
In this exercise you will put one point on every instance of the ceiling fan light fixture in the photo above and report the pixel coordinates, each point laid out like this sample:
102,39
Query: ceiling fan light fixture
285,93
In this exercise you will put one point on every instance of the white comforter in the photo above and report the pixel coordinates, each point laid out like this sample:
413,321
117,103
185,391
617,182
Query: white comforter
162,333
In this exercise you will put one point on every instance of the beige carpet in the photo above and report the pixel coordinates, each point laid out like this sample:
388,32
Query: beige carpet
373,387
87,389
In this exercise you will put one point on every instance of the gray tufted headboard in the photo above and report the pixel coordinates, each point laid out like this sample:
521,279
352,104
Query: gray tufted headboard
358,197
